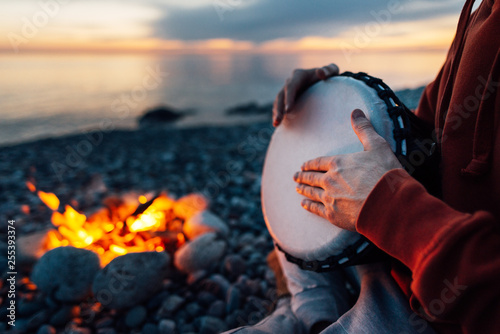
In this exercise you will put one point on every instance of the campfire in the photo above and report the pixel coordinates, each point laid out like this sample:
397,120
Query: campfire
142,261
125,225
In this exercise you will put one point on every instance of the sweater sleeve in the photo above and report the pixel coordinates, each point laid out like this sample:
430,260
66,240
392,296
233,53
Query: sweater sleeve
454,257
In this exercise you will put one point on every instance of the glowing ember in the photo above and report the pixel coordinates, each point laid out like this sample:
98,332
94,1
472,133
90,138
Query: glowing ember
49,199
31,186
117,229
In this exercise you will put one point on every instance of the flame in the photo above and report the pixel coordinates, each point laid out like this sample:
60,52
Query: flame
118,250
181,239
49,199
31,186
112,231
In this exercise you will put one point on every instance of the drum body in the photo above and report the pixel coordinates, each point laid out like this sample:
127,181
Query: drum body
319,125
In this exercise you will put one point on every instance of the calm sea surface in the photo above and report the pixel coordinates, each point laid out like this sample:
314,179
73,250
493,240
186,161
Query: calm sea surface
50,95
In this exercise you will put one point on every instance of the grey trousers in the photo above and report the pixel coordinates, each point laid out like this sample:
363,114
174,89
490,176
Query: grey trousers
380,307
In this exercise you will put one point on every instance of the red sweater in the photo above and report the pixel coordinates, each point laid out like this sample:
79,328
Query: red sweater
449,248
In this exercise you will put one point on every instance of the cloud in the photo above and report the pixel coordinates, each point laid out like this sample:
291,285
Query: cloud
264,20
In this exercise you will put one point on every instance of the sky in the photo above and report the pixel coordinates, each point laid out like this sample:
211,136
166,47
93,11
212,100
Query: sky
227,25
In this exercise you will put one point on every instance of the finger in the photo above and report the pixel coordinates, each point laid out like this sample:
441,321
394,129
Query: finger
298,83
278,107
310,178
315,207
312,193
321,164
291,93
365,131
328,71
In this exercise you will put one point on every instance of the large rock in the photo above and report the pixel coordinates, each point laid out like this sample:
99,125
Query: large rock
204,222
66,273
159,116
31,247
200,254
251,108
131,279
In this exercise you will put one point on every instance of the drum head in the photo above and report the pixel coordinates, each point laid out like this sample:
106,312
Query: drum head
319,125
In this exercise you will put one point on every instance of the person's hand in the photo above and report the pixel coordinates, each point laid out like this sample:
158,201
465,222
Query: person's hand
337,186
296,85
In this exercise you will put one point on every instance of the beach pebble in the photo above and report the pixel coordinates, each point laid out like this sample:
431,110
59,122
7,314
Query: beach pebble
104,322
172,303
236,319
149,328
233,299
64,315
187,328
131,279
38,319
66,273
197,276
30,247
26,308
216,285
157,300
46,329
202,253
211,325
78,330
205,298
204,222
136,316
106,330
193,309
217,309
167,326
234,265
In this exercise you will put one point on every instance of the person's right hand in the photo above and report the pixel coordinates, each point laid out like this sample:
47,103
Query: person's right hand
296,85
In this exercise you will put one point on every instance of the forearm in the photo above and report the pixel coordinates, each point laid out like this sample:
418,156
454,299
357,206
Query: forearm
454,257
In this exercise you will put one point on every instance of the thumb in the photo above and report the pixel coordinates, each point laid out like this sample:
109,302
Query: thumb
365,131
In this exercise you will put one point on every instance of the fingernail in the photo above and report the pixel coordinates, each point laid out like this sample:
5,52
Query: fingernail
287,107
358,114
296,176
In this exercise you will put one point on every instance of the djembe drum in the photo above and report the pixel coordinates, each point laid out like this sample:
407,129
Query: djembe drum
320,125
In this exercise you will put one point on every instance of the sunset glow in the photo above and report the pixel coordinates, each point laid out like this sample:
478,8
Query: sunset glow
111,26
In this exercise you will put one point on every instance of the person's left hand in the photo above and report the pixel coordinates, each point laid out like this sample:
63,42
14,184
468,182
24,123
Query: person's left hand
337,186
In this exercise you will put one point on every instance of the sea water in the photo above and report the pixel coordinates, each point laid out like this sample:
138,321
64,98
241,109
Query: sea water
45,95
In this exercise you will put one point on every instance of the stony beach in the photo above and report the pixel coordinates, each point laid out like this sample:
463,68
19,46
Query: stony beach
224,164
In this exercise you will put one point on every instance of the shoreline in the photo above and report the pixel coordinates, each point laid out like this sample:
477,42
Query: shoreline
197,120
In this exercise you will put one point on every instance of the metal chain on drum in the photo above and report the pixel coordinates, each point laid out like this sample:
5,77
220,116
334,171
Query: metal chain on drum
397,111
350,256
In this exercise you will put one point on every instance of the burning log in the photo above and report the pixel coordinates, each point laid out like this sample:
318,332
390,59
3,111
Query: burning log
122,226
